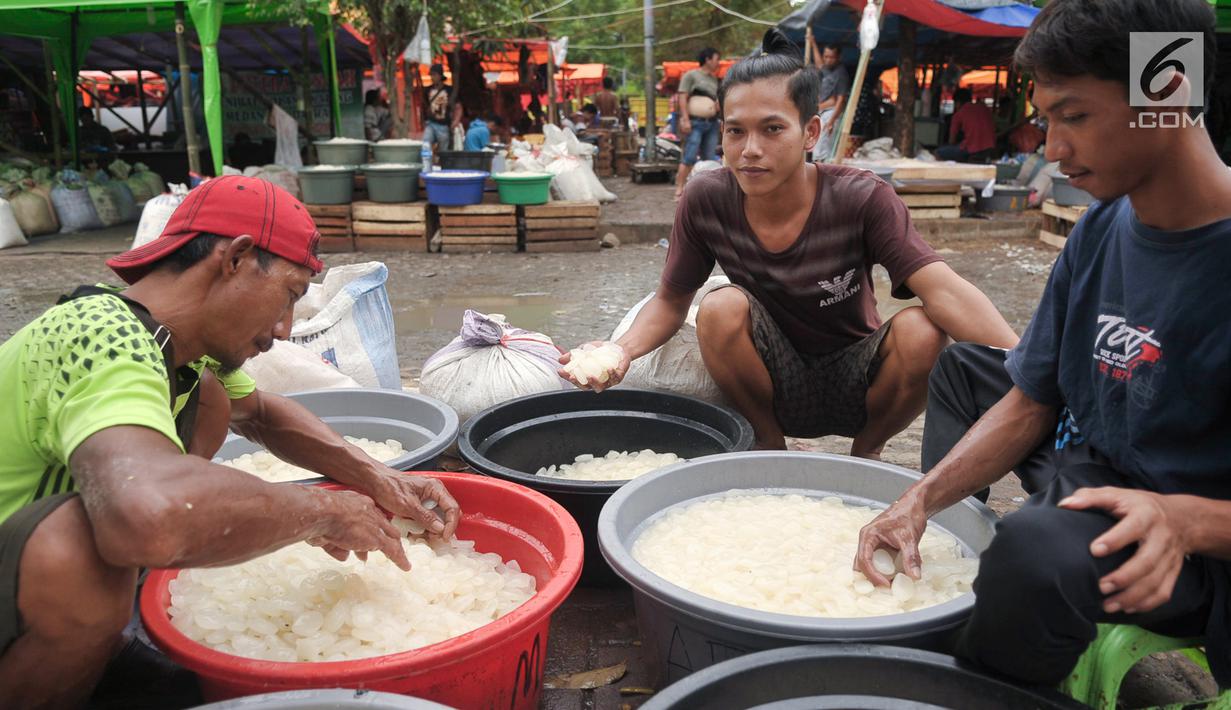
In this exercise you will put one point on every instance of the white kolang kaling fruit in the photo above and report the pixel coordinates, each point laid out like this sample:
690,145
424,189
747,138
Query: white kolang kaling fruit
792,554
301,605
268,467
591,362
615,466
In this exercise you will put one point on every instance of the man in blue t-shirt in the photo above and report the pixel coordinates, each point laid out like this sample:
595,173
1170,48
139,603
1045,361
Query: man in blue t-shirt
1114,407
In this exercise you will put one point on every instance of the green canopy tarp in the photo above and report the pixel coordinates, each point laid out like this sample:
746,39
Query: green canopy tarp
71,25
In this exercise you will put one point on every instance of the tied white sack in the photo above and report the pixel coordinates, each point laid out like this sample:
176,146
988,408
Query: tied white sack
288,367
10,232
568,160
491,362
676,365
347,321
156,213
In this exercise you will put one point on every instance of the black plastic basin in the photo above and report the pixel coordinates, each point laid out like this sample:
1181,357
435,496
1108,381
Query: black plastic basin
514,439
854,677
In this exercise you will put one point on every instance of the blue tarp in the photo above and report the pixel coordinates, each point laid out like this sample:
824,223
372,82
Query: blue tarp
1008,15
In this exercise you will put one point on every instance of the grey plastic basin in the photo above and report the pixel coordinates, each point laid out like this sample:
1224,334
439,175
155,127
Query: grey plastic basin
333,699
1064,194
852,677
327,185
344,153
402,152
424,426
684,632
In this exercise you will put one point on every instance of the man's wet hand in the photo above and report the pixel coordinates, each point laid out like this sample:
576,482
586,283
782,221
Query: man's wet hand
897,528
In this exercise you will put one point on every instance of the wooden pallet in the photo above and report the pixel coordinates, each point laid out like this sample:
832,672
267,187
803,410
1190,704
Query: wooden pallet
561,226
334,224
381,226
478,229
931,199
1058,222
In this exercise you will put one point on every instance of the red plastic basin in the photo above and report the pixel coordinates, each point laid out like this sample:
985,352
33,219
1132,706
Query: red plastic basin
499,665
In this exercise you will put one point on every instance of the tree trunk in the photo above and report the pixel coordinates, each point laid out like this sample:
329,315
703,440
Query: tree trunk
904,123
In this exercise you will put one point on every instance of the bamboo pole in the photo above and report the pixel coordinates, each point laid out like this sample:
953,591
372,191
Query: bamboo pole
190,120
551,85
54,102
650,95
852,102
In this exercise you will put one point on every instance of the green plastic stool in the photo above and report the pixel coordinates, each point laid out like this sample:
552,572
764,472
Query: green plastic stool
1096,679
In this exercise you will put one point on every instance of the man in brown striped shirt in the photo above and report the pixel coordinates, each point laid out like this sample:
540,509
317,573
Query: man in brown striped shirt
795,343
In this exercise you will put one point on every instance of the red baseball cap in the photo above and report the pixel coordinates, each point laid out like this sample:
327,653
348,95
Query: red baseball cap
231,206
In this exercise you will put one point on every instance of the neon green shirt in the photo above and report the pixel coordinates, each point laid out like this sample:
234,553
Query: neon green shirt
79,368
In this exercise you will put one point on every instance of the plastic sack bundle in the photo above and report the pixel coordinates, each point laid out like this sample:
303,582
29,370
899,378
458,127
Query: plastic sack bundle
10,232
153,180
125,201
491,362
106,203
72,203
676,366
33,212
288,367
278,175
347,321
157,213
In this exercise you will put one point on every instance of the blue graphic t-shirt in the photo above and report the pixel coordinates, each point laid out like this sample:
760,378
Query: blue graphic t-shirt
1133,337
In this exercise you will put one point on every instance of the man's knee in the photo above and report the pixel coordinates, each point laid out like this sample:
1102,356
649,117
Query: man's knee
919,339
950,365
1042,551
723,314
66,590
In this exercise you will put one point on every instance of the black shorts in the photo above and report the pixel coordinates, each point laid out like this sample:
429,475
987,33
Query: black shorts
816,395
14,533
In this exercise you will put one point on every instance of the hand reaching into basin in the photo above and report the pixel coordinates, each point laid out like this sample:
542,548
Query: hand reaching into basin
605,366
899,528
419,498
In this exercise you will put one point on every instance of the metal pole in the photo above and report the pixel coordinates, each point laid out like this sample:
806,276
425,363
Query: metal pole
74,136
190,120
54,101
305,78
650,94
145,118
551,84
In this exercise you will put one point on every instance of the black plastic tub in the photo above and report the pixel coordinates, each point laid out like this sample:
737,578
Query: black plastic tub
853,677
514,439
466,160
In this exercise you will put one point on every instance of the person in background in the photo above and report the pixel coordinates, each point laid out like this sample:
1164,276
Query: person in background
589,116
244,152
439,119
974,123
1113,409
697,99
478,134
92,135
835,89
376,116
607,101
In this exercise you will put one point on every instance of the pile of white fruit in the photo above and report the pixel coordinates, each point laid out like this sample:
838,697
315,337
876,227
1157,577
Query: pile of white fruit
792,554
268,467
593,363
615,466
300,604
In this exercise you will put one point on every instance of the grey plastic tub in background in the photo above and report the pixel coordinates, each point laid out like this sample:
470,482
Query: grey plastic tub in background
392,182
333,699
386,152
1065,195
327,184
684,632
348,153
1006,198
424,426
852,677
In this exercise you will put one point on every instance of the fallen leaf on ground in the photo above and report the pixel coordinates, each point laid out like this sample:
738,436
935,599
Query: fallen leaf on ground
586,680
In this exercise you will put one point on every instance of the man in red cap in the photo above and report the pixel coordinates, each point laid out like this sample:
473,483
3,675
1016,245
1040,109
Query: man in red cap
112,404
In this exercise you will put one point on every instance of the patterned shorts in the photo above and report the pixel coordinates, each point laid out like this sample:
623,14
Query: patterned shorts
816,395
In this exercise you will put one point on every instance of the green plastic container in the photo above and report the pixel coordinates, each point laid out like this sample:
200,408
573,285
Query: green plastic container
523,188
327,184
392,182
398,151
348,151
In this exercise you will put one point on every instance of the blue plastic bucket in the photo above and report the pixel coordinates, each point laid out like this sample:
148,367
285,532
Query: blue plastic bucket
455,187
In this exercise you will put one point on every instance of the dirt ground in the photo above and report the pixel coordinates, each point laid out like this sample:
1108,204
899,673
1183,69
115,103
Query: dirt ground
576,298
